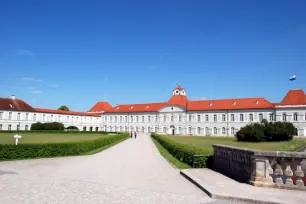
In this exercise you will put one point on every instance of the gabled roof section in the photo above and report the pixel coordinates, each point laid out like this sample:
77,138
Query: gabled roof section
179,100
44,110
15,105
179,88
230,104
100,107
294,97
145,107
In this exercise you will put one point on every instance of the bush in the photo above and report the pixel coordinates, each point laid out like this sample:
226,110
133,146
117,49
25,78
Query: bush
47,126
25,151
264,131
183,152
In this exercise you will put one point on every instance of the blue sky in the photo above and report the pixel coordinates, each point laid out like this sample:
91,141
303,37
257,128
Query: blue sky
80,52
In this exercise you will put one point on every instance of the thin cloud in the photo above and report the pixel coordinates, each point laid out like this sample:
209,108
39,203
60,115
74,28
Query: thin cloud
54,85
25,52
31,79
36,92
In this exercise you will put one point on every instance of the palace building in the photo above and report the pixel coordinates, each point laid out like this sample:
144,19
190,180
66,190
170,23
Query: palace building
178,115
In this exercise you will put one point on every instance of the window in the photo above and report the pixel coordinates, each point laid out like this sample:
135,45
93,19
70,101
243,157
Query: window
18,116
179,130
189,118
18,127
126,118
284,117
271,116
156,118
143,119
111,119
189,130
199,118
34,117
26,127
155,129
0,126
165,119
241,117
180,118
251,117
52,118
223,131
137,118
223,118
9,127
97,129
1,115
296,132
206,131
68,119
164,129
131,118
215,131
10,115
172,118
206,118
232,117
232,131
295,117
149,129
84,128
142,129
260,116
149,118
215,117
115,119
120,119
27,116
199,130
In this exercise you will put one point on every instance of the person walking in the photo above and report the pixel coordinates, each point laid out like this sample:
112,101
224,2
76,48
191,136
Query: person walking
131,135
135,135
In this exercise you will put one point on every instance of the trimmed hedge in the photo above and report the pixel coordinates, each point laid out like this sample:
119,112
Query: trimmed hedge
26,151
183,152
47,126
266,131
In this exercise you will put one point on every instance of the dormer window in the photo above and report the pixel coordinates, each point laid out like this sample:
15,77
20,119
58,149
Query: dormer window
117,107
256,102
210,104
176,91
147,107
132,107
11,106
234,103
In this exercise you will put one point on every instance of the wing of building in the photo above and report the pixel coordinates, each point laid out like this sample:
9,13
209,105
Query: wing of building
178,115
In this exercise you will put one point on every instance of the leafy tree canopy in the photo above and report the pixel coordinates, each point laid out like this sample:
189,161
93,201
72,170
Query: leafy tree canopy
63,107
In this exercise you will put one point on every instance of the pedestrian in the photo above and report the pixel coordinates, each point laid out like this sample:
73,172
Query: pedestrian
131,135
135,135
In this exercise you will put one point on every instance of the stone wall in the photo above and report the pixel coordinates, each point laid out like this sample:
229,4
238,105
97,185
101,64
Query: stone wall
262,168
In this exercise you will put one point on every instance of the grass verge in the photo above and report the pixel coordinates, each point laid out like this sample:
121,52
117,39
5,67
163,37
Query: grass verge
178,164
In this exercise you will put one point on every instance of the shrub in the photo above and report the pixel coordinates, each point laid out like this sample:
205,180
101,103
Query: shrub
24,151
184,152
47,126
265,131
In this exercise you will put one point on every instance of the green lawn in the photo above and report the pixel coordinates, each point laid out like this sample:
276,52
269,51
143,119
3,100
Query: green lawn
206,143
34,138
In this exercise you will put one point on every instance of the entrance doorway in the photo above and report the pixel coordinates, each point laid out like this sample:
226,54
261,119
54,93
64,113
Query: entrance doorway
172,128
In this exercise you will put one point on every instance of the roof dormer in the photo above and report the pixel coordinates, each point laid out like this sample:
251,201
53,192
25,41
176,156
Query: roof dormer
179,91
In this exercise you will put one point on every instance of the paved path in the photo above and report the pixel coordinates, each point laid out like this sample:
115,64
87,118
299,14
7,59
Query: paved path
130,172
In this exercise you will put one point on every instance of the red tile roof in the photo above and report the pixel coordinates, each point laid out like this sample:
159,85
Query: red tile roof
43,110
15,105
145,107
179,100
100,107
230,104
294,97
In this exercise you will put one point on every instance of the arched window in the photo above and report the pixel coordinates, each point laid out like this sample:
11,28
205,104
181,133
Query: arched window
223,131
215,131
26,127
97,129
9,127
90,128
142,129
0,126
295,117
84,128
165,118
189,130
232,117
18,127
215,117
199,131
125,129
137,129
206,131
155,129
180,118
296,132
179,130
189,118
164,130
149,129
111,129
284,117
232,131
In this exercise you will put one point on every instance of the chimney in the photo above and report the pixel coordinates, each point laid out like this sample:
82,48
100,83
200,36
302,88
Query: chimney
13,97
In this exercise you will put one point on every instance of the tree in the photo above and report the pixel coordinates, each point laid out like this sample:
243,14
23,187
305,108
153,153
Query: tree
63,107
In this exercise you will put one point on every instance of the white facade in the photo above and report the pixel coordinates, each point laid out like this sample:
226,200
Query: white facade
21,120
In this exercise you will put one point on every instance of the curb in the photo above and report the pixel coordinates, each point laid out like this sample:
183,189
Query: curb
221,196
